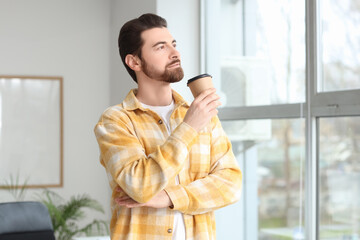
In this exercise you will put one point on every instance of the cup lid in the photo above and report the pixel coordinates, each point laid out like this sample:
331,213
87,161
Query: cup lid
197,77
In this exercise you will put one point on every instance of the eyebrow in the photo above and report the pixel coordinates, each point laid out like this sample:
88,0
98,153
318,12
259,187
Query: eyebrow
162,42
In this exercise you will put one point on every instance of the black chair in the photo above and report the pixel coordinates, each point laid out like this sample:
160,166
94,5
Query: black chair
25,221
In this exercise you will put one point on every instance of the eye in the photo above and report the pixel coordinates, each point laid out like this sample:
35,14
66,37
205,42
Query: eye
161,46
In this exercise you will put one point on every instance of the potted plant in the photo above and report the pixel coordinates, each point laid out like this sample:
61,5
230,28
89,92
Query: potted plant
65,215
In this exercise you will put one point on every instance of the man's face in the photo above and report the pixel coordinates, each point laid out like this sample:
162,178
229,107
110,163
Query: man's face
159,58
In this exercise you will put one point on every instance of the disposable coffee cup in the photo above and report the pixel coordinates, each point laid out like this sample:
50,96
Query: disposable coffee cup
200,83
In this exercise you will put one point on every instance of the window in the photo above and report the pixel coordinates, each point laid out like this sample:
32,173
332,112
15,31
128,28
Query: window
288,74
339,177
271,153
340,48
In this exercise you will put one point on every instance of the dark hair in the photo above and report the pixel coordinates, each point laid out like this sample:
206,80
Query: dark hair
130,41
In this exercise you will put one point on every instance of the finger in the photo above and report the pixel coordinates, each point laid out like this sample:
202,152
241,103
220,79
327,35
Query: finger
134,205
130,203
214,112
123,198
208,98
213,105
204,94
211,98
124,202
203,104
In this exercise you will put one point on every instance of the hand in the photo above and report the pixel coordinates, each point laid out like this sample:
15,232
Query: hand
202,109
161,200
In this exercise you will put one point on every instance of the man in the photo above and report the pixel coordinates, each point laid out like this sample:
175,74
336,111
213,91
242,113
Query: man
170,164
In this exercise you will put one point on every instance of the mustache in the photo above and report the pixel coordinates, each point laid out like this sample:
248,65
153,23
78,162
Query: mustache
173,62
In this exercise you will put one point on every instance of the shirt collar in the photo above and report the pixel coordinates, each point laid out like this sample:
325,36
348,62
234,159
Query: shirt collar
132,103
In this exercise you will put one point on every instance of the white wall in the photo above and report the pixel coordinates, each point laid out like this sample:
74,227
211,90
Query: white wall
70,39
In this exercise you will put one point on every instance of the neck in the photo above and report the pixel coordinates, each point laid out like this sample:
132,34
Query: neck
154,93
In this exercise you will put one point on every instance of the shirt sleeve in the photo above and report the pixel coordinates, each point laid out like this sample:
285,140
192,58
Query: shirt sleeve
221,187
141,177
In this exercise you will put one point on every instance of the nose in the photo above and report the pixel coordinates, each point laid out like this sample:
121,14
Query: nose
175,54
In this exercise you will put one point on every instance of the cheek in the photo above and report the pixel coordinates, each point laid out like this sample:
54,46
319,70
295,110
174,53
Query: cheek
157,64
156,60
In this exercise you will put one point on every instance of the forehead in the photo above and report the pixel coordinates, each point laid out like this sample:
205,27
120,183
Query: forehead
154,35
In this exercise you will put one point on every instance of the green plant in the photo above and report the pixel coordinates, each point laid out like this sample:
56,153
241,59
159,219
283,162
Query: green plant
65,216
15,188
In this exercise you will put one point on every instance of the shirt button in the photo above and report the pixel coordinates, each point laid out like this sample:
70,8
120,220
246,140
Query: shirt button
169,230
160,121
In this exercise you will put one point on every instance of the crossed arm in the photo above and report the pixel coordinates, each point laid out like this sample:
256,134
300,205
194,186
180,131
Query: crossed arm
219,188
160,200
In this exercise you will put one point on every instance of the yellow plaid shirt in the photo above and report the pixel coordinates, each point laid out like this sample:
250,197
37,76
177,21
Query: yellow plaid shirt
143,159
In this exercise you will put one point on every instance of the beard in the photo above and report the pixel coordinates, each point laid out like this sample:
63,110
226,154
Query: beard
169,75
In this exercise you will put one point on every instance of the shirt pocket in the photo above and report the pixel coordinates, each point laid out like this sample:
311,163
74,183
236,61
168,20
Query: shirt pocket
200,155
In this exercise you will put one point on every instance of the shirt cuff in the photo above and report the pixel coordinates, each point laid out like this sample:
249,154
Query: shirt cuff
178,197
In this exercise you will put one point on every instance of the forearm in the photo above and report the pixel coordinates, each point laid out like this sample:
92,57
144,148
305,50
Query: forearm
160,200
222,185
207,194
141,176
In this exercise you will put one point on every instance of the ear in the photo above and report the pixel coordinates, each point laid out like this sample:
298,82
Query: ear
133,62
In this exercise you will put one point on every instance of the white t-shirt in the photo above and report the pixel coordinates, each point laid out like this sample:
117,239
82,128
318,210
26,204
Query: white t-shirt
165,112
